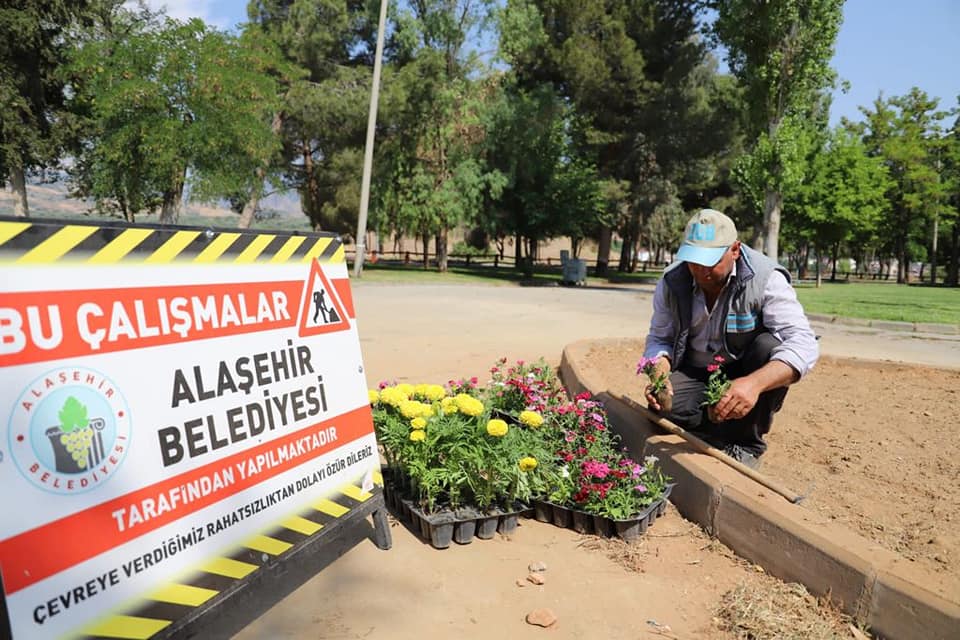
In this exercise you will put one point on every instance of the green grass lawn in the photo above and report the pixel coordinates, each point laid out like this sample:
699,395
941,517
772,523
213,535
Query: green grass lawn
883,301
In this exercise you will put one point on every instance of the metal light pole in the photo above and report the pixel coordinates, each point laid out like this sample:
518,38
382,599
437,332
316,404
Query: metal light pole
368,150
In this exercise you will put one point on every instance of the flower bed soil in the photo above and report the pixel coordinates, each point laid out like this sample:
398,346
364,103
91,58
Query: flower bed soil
876,445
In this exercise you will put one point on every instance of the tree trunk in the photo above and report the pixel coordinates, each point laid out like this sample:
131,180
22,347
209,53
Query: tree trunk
953,267
311,200
441,244
18,183
173,199
819,274
933,250
426,250
250,208
772,206
833,259
603,251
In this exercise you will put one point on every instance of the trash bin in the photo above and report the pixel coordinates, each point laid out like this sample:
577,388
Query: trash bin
575,271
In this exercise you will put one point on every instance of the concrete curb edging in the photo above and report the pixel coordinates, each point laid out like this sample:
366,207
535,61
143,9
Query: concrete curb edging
888,325
789,541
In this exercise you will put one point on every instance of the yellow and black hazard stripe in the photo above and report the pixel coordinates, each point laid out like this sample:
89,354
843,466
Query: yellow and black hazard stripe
157,612
47,242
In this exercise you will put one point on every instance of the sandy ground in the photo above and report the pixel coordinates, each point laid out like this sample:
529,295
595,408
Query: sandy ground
882,462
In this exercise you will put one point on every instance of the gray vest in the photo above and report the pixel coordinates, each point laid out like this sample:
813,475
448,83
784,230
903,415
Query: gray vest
741,301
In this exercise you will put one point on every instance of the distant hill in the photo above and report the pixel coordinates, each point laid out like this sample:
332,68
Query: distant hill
51,200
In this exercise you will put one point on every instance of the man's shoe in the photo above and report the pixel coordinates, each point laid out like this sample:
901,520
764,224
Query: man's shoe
742,456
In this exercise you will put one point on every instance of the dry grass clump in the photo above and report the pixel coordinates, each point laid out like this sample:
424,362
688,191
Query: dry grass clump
629,555
774,610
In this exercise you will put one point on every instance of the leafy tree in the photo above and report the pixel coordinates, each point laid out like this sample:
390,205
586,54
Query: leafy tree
34,126
168,100
904,131
842,199
781,52
435,132
950,167
322,118
641,81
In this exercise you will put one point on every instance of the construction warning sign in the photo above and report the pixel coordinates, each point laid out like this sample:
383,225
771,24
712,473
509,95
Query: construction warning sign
170,399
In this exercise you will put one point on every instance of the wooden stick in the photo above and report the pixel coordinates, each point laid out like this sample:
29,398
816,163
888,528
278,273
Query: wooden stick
711,451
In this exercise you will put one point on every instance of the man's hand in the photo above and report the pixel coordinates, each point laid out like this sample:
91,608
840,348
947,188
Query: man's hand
738,401
663,368
743,393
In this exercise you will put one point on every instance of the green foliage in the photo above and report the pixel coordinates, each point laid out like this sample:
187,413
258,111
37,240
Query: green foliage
904,132
648,108
166,100
324,106
781,53
843,197
35,37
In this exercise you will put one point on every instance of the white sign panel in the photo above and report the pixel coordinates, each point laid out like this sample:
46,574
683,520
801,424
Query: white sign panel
159,411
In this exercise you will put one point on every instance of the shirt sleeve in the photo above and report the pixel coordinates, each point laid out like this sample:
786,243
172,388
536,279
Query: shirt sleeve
784,317
661,336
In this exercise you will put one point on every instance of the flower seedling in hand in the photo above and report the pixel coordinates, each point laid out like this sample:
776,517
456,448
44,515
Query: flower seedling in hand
717,383
658,382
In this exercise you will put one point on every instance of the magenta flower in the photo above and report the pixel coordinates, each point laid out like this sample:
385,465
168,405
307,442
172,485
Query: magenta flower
641,488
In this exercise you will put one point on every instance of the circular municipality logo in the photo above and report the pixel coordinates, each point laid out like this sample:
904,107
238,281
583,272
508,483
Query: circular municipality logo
70,430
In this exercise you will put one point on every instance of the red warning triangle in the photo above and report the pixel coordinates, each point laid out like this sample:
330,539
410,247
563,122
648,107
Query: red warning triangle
320,310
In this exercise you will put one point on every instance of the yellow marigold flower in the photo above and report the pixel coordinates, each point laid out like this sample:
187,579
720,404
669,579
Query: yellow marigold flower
406,389
528,464
418,423
448,405
497,428
373,395
418,435
531,418
427,410
412,409
468,405
392,396
434,392
420,390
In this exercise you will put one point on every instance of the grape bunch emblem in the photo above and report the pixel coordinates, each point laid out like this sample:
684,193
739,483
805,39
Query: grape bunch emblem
75,435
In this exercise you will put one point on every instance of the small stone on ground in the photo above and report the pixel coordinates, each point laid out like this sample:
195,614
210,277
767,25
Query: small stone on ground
536,578
542,617
538,567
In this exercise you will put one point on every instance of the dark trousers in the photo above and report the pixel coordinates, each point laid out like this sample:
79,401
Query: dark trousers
689,390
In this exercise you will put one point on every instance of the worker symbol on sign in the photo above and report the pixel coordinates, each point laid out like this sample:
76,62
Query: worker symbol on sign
321,310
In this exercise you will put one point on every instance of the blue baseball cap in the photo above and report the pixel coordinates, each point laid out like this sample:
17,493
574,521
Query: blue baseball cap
707,237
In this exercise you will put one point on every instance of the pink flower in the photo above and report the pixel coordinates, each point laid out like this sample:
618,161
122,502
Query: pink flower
570,436
719,358
712,367
641,488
